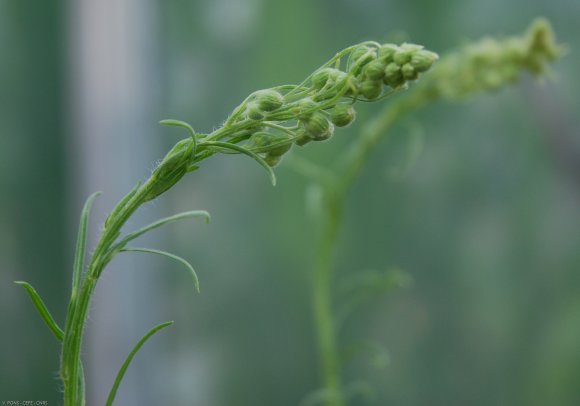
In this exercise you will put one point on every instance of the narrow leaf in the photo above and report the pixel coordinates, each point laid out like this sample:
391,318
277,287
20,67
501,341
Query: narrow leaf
182,124
242,150
163,221
168,255
130,357
42,309
81,245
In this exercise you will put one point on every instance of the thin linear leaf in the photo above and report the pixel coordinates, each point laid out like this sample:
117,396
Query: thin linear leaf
242,150
130,357
163,221
168,255
182,124
81,245
42,309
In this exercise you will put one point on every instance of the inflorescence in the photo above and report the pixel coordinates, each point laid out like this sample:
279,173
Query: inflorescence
269,122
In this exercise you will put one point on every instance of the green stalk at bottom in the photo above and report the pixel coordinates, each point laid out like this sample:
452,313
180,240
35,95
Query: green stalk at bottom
71,372
322,307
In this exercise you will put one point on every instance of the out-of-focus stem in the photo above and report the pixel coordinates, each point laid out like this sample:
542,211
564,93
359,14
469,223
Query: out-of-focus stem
334,197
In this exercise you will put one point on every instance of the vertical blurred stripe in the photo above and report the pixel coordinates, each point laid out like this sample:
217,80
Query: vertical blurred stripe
32,234
112,93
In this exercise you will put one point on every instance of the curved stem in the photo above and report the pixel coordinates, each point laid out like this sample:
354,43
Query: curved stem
71,370
334,199
322,303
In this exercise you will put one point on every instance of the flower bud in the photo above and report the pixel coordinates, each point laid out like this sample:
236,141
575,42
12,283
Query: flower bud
320,77
318,127
279,145
302,137
171,169
361,55
334,84
386,52
254,112
272,160
409,73
423,60
270,143
393,76
258,140
306,108
342,115
268,100
375,70
371,89
405,52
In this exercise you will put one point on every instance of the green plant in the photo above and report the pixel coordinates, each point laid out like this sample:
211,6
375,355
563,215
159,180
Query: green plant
485,65
263,127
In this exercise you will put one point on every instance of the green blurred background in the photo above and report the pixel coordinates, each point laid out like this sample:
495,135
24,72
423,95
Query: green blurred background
486,220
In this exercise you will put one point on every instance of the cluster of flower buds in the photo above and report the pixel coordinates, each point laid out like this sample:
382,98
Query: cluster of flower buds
491,63
389,65
326,99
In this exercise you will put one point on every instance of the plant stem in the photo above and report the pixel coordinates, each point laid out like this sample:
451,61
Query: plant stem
322,303
334,197
71,369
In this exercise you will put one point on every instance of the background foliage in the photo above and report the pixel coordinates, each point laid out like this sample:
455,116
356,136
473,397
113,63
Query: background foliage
485,219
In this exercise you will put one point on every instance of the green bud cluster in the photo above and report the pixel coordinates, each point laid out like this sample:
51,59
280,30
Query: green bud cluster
370,67
490,63
311,111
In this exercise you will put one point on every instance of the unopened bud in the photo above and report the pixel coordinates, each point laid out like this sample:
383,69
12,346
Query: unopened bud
270,143
405,52
371,89
375,70
272,160
318,127
360,56
306,107
423,60
171,169
393,76
386,52
409,73
302,137
342,115
254,112
268,100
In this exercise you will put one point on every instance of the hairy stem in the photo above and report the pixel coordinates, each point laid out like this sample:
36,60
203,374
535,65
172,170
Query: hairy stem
71,368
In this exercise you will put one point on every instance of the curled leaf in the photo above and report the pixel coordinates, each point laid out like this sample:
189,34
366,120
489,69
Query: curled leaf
182,124
163,221
168,255
237,148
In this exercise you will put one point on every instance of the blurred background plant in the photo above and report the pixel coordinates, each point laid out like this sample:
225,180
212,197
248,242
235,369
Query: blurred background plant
478,204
